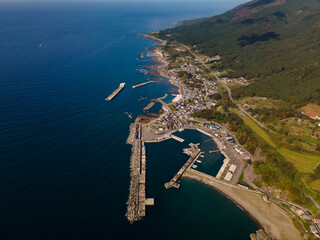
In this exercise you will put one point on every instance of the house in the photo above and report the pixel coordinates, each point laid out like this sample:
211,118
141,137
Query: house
310,115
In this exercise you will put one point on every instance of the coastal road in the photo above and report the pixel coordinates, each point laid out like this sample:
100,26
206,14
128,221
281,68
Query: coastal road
246,179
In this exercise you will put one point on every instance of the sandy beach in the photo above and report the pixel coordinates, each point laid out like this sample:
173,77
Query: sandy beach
271,217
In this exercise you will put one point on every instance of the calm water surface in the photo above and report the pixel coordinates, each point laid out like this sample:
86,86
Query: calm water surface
64,164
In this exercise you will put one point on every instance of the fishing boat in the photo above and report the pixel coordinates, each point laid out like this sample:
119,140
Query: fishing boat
128,114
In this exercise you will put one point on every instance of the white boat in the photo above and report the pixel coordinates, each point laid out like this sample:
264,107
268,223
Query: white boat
201,156
198,161
194,166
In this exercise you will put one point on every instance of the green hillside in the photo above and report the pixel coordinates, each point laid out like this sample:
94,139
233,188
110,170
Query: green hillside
273,43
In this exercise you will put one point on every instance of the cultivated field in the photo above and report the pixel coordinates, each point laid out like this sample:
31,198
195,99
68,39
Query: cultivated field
315,185
253,125
312,108
305,163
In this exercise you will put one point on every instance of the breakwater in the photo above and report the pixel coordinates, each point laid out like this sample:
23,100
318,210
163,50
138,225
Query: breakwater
150,105
177,138
142,84
195,152
115,92
137,202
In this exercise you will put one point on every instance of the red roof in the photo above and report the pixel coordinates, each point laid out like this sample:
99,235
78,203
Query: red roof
311,115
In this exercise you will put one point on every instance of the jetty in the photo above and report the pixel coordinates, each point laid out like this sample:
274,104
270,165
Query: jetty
142,84
223,167
150,105
174,181
177,138
214,151
115,92
137,202
161,101
166,95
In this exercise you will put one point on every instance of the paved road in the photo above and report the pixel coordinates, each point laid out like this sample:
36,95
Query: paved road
279,199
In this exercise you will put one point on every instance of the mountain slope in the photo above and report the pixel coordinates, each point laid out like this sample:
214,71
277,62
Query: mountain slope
275,43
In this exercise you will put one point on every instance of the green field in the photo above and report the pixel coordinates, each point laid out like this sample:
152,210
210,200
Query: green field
315,185
259,131
304,162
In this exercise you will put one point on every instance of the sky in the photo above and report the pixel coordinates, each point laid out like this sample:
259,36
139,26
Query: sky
211,1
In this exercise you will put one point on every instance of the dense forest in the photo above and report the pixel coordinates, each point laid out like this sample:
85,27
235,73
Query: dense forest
273,43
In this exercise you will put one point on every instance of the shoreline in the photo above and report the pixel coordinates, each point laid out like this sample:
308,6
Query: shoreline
160,58
268,216
188,176
271,217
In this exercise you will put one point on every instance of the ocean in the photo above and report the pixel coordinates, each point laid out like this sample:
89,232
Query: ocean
64,162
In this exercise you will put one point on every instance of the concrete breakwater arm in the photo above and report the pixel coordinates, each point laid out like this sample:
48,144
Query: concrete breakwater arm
115,92
195,153
137,202
142,84
150,105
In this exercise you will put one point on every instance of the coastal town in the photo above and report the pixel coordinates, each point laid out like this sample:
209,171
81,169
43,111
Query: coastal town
197,89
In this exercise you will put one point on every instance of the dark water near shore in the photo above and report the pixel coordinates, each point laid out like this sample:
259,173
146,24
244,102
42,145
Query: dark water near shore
64,164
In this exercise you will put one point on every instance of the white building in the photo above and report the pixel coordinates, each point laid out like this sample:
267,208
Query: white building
232,168
228,176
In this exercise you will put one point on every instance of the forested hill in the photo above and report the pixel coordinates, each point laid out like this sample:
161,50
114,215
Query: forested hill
275,43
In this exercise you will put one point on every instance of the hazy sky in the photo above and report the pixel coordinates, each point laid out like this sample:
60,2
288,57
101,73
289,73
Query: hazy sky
212,1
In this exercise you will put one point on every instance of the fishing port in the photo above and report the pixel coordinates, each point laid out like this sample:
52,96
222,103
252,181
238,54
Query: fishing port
115,92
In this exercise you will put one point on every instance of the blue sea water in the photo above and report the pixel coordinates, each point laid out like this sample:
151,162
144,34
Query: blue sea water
64,164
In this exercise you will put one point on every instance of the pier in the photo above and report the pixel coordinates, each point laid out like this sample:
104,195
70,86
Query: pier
161,101
223,167
137,193
115,92
142,84
177,138
174,181
214,151
165,96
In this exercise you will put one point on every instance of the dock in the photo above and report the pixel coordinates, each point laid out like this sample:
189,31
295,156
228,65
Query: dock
137,193
142,84
177,138
161,101
115,92
214,151
223,167
174,181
